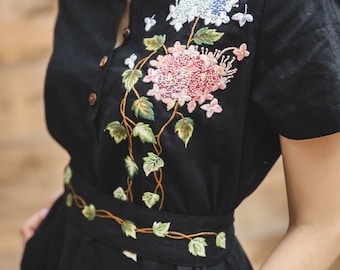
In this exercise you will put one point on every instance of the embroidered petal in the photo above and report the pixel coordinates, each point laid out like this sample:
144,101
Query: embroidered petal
149,22
130,61
191,106
212,108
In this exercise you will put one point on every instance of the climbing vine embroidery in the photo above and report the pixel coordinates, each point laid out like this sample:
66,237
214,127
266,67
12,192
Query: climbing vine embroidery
196,241
180,75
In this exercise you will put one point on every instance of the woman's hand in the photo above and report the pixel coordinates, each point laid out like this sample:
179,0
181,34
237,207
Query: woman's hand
312,172
32,224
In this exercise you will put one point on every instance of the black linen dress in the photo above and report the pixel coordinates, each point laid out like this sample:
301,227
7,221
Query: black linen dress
169,132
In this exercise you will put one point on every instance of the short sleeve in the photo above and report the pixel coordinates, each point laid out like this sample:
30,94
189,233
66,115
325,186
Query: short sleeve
296,78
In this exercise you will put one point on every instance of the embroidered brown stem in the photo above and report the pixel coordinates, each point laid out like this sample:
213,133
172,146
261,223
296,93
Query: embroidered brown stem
103,213
159,186
158,136
128,191
142,62
192,31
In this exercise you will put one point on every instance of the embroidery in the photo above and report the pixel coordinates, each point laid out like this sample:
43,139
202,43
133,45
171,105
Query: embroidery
243,18
149,22
180,75
196,244
211,11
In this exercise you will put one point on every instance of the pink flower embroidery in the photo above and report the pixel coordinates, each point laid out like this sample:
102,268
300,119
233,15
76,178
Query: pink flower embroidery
151,77
241,52
212,107
189,76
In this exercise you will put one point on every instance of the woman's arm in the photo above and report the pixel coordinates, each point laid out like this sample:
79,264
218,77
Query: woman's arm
312,171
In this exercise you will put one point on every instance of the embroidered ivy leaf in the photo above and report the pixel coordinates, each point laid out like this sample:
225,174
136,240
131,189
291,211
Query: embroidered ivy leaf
150,199
130,78
221,240
152,163
207,36
129,229
69,200
144,132
89,212
130,255
197,246
67,175
117,131
131,166
184,128
160,229
142,107
119,194
154,43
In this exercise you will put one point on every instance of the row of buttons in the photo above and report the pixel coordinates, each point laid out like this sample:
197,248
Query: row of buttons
92,99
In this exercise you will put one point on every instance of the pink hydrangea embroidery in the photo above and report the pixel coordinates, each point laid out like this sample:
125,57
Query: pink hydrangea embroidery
190,76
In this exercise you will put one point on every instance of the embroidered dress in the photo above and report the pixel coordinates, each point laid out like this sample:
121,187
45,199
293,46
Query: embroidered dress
169,132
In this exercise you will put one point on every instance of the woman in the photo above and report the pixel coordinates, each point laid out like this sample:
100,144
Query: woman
173,112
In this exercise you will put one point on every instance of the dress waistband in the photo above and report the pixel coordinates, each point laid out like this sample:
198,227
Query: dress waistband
172,238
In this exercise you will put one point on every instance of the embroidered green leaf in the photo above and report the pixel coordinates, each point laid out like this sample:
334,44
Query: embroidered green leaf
142,107
67,175
119,194
144,132
69,199
221,240
160,229
154,43
117,131
130,255
131,166
197,246
207,36
89,212
184,128
152,163
129,229
150,199
130,78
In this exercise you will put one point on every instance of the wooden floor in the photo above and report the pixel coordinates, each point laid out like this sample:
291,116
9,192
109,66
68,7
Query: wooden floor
31,162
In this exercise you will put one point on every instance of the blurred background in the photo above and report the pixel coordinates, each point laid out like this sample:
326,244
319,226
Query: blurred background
31,163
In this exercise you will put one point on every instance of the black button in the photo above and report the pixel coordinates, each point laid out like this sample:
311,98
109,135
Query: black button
126,32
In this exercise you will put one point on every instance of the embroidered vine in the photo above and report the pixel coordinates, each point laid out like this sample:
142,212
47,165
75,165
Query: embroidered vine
181,75
196,241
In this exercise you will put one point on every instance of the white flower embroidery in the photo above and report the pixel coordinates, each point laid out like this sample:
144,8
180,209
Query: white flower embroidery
130,61
211,11
149,22
243,18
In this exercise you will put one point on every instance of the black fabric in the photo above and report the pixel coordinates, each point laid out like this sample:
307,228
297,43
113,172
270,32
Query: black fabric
289,84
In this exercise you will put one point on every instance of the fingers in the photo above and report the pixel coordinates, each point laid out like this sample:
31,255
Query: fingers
31,225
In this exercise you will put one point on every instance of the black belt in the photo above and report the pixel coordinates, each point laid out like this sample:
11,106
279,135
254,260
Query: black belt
173,248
